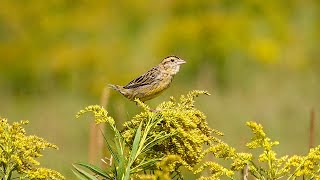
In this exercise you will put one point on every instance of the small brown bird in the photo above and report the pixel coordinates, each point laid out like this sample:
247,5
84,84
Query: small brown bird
153,82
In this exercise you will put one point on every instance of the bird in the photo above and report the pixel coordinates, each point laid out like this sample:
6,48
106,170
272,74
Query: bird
152,83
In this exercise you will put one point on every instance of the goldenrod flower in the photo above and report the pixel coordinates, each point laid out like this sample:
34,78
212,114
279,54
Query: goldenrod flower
18,153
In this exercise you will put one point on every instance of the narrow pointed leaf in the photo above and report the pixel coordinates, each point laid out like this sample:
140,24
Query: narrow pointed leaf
79,176
95,170
136,143
154,142
120,170
84,173
127,174
112,152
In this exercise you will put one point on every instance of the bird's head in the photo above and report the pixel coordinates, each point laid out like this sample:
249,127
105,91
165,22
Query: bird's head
172,64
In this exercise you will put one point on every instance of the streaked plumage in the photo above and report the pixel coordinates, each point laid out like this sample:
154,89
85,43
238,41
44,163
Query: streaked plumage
153,82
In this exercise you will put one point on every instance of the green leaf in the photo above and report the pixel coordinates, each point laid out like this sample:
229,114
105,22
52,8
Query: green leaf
84,173
156,140
120,170
145,165
135,145
127,173
95,170
78,175
112,152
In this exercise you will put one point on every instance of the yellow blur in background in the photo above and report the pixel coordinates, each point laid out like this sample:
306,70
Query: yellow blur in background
258,59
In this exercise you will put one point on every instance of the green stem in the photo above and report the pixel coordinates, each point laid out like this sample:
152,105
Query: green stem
297,169
255,169
271,174
5,171
11,171
312,177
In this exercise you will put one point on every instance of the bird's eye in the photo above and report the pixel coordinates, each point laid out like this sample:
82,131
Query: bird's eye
172,60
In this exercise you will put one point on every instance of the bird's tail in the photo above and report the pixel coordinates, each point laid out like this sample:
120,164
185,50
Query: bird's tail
115,87
125,92
118,88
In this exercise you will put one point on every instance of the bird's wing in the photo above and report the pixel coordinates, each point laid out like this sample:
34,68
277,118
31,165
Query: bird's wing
145,79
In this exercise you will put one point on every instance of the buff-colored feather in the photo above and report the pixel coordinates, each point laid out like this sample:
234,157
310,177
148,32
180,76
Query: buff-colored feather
153,82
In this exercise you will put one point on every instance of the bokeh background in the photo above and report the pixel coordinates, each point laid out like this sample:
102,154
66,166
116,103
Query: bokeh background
258,59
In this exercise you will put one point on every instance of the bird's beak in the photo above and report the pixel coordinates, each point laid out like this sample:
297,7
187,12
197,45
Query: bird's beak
180,61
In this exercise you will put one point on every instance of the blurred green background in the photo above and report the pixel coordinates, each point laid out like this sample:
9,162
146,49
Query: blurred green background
258,59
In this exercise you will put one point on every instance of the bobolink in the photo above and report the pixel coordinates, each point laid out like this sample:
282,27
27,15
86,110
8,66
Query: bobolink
153,82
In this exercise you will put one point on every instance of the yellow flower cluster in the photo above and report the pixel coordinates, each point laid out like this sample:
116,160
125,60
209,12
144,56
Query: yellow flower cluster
215,169
187,125
306,167
100,114
176,134
259,139
167,165
18,152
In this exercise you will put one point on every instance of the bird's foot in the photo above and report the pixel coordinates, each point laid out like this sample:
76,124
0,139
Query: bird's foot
154,110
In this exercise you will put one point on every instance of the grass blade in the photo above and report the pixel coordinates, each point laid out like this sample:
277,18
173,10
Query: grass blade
145,165
157,140
95,170
112,152
135,145
121,166
79,176
84,173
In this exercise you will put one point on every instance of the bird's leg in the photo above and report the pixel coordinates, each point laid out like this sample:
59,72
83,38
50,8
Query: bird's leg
154,110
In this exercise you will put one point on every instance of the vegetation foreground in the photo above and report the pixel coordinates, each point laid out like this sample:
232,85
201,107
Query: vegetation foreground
164,144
